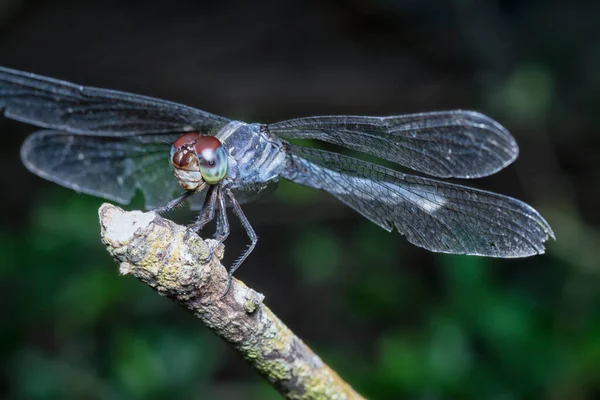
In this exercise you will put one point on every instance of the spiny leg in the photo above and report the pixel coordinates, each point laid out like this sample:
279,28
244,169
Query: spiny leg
222,221
174,203
237,209
208,210
206,215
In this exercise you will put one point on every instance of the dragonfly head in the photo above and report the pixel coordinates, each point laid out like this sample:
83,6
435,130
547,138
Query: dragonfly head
197,160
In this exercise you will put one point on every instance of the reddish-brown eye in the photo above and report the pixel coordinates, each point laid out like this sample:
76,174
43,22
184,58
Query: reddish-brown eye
186,138
206,143
192,152
183,153
184,159
213,159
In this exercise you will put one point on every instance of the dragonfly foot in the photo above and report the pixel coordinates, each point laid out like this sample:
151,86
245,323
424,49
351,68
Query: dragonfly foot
229,281
211,252
188,232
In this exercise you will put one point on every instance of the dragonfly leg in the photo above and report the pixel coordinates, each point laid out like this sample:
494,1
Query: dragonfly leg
237,209
208,214
222,221
208,210
174,203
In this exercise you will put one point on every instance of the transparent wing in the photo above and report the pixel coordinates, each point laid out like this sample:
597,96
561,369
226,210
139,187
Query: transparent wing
59,105
437,216
459,144
109,167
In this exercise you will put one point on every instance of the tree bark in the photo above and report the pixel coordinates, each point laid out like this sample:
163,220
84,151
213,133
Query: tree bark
177,263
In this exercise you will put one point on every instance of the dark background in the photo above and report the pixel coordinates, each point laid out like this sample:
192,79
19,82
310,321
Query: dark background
394,320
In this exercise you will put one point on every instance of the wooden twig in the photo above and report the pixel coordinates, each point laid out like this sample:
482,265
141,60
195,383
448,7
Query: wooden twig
175,263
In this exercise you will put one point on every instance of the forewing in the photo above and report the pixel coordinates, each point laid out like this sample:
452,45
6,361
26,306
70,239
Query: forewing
459,144
64,106
437,216
109,167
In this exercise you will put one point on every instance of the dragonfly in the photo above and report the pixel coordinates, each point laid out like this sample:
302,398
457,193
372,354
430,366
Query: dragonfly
111,144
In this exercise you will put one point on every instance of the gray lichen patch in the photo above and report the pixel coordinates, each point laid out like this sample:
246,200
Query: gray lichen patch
118,226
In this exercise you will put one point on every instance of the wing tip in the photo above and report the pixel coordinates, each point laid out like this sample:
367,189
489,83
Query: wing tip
525,247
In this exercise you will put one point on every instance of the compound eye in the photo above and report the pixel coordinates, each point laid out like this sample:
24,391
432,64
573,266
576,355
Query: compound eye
213,159
186,139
